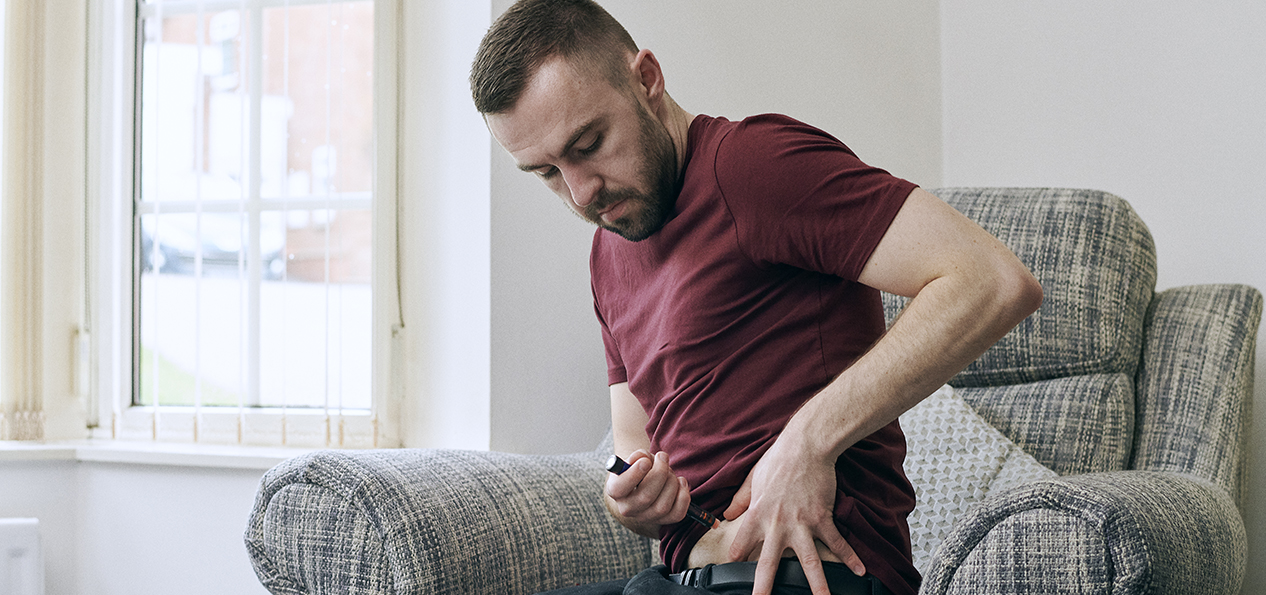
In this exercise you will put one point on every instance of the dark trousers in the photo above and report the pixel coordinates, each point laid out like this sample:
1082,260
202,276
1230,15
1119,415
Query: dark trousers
657,581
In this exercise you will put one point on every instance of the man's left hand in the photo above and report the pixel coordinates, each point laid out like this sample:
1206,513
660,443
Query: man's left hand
788,505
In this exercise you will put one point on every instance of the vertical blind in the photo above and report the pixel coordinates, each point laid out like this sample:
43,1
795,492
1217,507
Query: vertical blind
252,233
21,175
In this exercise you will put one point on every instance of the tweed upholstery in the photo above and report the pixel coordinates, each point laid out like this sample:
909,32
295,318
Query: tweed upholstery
1121,532
1097,282
430,521
1012,557
1195,405
1079,424
316,520
1140,401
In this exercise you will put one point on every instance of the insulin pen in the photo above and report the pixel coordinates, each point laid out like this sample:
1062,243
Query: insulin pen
617,466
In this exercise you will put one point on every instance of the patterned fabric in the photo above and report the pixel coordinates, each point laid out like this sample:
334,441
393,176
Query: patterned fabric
1103,373
1123,532
1017,555
1081,424
955,459
1195,404
311,521
428,521
1097,264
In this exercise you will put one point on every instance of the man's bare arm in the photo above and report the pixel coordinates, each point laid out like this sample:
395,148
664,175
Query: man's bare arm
968,291
648,494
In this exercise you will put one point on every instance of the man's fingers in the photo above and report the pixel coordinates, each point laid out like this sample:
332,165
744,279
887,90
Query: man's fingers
621,487
648,490
673,495
766,570
741,501
812,566
683,500
671,498
839,546
638,455
746,541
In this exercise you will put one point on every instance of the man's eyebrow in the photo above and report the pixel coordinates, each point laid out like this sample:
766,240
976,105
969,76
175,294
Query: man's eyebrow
571,142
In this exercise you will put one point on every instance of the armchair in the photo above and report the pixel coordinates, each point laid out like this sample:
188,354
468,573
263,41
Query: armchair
1136,405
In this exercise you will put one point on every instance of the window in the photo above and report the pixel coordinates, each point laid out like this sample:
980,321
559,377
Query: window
253,224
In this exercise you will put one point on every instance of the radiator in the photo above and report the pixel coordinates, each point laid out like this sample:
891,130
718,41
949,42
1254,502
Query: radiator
21,563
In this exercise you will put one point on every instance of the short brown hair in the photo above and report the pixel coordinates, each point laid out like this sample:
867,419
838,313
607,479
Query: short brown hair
533,31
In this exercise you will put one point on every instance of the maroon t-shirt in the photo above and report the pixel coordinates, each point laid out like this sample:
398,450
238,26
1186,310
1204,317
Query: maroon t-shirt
744,306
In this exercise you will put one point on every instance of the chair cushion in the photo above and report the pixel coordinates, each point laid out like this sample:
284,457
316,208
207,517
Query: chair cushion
954,460
1081,424
1096,262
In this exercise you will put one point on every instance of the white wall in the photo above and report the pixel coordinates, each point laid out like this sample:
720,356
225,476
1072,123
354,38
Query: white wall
161,530
116,529
867,72
46,490
444,213
1162,103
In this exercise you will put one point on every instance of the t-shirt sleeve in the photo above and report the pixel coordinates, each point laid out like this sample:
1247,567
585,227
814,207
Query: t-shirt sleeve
802,198
616,373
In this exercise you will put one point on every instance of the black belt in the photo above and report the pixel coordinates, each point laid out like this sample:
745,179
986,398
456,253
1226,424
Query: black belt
841,580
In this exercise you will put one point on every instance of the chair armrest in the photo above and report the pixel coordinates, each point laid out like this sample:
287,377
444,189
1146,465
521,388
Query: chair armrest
437,521
1195,384
1122,532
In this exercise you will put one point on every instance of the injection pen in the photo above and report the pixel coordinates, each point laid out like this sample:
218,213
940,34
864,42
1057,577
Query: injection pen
617,466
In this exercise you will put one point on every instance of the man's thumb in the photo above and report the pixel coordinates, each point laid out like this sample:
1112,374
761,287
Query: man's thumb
741,501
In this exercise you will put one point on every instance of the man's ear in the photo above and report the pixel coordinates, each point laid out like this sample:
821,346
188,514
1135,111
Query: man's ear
649,76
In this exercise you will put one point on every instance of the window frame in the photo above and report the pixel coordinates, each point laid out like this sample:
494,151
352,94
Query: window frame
113,176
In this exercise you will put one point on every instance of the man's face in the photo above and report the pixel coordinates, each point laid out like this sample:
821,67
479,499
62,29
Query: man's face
597,148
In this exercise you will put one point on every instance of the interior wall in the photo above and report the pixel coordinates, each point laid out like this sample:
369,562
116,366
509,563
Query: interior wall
444,217
115,529
46,490
156,530
866,72
1161,105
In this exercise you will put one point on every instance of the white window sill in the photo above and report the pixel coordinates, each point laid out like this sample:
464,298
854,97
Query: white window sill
149,453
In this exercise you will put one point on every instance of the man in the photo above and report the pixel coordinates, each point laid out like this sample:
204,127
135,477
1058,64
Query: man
736,276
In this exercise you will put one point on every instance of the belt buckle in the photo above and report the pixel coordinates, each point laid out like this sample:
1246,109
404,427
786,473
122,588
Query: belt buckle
699,578
689,576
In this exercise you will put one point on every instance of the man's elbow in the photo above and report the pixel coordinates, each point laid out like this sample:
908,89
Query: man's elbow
1019,292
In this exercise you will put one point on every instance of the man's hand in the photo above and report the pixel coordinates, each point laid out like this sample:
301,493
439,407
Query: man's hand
787,506
714,546
648,494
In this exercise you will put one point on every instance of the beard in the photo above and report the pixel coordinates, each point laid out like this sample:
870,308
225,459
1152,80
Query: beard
645,212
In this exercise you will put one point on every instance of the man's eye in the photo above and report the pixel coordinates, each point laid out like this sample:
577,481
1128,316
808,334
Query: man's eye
547,173
592,148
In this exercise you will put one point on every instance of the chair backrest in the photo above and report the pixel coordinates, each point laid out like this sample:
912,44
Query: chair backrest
1096,262
1067,372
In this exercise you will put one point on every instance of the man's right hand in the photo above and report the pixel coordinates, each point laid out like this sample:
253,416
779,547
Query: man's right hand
648,494
714,547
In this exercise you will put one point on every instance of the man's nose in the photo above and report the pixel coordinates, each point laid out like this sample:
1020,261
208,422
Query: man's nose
583,185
